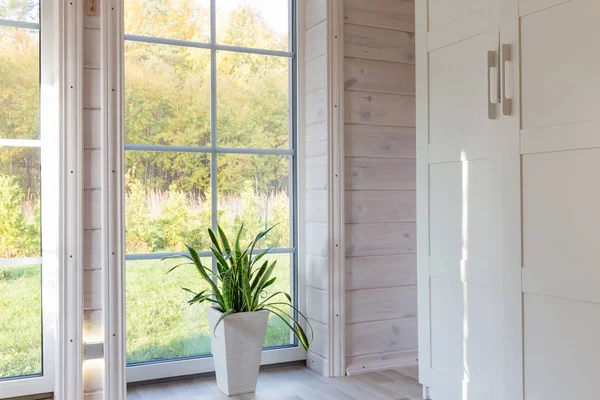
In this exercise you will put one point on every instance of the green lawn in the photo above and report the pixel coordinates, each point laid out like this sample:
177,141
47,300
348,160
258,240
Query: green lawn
20,321
160,324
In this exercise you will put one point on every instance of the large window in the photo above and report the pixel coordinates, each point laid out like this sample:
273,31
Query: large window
210,139
25,320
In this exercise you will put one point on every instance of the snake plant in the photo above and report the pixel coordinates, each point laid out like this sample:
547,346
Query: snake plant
241,280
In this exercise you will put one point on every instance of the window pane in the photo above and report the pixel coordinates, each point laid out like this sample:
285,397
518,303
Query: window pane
278,334
253,107
19,83
160,323
167,201
262,24
169,19
167,95
254,189
23,10
19,202
20,320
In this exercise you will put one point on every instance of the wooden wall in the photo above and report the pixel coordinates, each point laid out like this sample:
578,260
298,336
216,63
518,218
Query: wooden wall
92,207
381,292
316,180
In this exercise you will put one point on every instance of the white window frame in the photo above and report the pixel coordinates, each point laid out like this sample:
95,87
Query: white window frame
49,144
204,364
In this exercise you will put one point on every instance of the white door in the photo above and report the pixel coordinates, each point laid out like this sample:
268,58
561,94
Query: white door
560,142
468,203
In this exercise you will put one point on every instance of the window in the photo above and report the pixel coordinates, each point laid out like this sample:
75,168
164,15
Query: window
210,113
28,211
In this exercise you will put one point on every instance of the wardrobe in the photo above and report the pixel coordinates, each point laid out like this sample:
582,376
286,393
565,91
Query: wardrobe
508,198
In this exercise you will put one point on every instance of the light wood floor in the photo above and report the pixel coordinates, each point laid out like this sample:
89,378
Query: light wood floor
296,383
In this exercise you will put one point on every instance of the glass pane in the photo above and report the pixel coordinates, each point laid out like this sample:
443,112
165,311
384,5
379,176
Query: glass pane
167,95
254,189
262,24
20,320
253,103
169,19
19,83
167,201
19,202
160,323
20,10
278,334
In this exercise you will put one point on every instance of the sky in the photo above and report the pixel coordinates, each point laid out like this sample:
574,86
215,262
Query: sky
274,12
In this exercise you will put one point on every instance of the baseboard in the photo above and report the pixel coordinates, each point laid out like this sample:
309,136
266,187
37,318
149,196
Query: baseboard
381,361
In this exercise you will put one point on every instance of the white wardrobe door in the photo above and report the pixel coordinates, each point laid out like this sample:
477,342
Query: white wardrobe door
462,292
560,142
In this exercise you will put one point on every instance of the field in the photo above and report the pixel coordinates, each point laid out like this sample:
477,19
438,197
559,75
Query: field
160,324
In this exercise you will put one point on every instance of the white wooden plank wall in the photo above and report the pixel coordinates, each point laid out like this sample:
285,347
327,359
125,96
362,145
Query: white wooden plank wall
93,260
316,170
381,295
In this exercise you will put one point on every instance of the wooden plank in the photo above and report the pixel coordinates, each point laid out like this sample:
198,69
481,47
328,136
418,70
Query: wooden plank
380,239
315,107
381,271
383,362
319,343
380,206
389,14
316,149
381,304
316,301
316,209
315,42
316,239
379,44
92,169
92,324
316,271
379,141
315,74
378,76
315,12
91,48
92,129
92,249
317,173
316,132
92,95
92,209
379,109
382,336
92,289
379,174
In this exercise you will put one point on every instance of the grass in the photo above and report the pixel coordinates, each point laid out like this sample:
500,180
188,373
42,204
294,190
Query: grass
160,324
20,320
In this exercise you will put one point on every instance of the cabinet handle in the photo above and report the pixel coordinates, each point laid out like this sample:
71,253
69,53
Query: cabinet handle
491,63
506,58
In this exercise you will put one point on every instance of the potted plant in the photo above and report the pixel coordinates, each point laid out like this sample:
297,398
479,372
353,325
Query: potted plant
240,304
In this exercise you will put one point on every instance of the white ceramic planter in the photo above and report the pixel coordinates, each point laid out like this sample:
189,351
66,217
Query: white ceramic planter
237,349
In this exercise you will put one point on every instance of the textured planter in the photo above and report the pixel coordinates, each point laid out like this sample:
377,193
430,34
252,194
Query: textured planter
237,349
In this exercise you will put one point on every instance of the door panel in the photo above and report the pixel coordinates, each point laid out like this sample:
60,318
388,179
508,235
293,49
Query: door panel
560,65
463,291
458,108
561,194
561,348
443,12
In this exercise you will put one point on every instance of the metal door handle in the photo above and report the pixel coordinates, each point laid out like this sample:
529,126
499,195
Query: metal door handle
491,63
506,58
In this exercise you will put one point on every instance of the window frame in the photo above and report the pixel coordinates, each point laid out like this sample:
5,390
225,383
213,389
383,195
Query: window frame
293,352
50,179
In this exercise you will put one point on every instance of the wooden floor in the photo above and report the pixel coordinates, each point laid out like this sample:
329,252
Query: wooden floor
297,383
